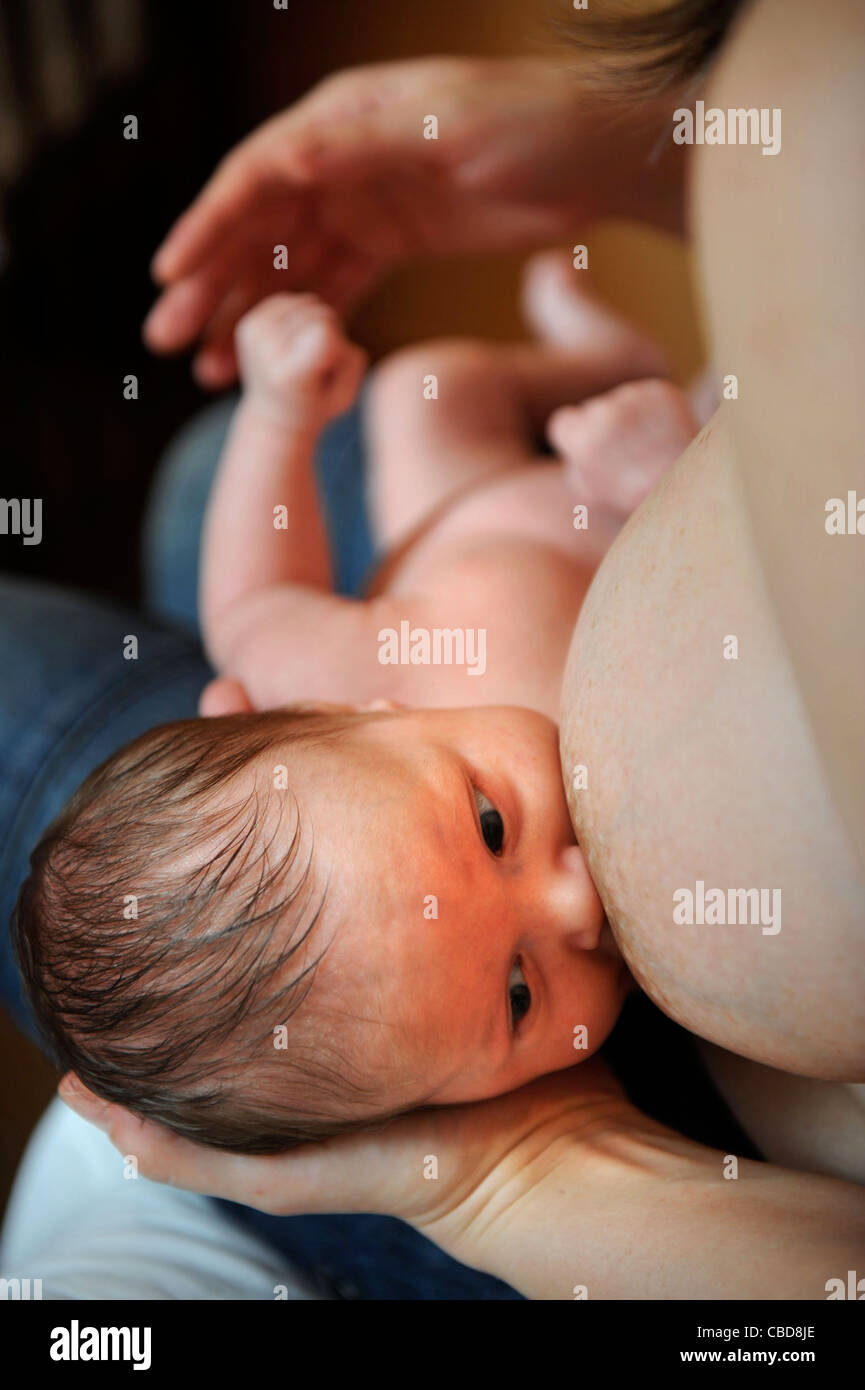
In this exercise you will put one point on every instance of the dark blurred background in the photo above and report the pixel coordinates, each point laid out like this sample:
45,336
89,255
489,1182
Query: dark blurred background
81,212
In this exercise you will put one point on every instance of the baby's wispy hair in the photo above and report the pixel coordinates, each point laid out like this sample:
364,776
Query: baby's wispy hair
146,934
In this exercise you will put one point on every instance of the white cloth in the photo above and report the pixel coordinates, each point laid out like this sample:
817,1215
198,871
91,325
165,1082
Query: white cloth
86,1231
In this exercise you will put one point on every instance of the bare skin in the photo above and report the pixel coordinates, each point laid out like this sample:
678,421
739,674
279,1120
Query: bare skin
566,1163
561,1183
656,815
479,989
344,179
453,789
734,772
475,526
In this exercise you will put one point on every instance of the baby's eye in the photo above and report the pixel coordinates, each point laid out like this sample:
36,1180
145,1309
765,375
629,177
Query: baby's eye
492,825
519,993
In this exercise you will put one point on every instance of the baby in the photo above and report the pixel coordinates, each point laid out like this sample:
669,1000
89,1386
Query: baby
265,928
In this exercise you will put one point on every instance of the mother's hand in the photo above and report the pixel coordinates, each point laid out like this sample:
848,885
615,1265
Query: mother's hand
562,1189
347,180
444,1170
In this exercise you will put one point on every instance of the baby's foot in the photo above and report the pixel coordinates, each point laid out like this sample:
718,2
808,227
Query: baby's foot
295,361
615,447
561,310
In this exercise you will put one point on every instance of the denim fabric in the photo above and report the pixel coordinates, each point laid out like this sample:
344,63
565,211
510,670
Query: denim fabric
172,526
69,699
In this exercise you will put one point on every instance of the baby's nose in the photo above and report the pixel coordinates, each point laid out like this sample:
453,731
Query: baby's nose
579,909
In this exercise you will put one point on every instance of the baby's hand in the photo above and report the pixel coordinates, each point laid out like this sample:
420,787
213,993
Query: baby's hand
295,360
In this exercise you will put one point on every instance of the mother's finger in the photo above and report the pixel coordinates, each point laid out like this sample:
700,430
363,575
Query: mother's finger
242,182
205,299
269,164
300,1181
350,124
181,312
215,365
255,276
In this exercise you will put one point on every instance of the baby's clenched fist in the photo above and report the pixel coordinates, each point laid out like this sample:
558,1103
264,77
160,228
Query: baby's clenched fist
296,360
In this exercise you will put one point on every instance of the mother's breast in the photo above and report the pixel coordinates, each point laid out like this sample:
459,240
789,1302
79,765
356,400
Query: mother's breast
703,797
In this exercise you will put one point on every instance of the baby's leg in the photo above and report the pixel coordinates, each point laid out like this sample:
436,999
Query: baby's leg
562,310
615,447
559,305
445,415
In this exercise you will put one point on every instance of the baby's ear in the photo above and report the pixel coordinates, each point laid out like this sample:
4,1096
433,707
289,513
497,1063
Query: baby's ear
327,707
223,696
321,707
76,1095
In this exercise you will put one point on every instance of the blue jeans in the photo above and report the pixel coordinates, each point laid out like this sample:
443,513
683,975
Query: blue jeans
69,699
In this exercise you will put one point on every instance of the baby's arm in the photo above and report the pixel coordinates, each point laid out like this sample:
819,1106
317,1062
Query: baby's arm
269,617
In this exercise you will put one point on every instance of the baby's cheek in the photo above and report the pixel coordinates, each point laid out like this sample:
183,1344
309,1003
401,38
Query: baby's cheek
586,1015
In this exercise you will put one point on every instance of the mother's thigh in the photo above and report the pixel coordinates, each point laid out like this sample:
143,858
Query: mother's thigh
71,693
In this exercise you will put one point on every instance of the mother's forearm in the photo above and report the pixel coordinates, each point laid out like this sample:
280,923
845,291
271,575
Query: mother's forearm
643,1213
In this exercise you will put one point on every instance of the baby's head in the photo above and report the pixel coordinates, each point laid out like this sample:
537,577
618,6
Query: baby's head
264,929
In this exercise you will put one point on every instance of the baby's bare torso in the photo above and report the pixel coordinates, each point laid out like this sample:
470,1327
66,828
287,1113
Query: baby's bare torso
504,559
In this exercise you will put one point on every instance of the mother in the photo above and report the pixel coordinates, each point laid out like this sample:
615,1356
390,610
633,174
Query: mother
720,653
